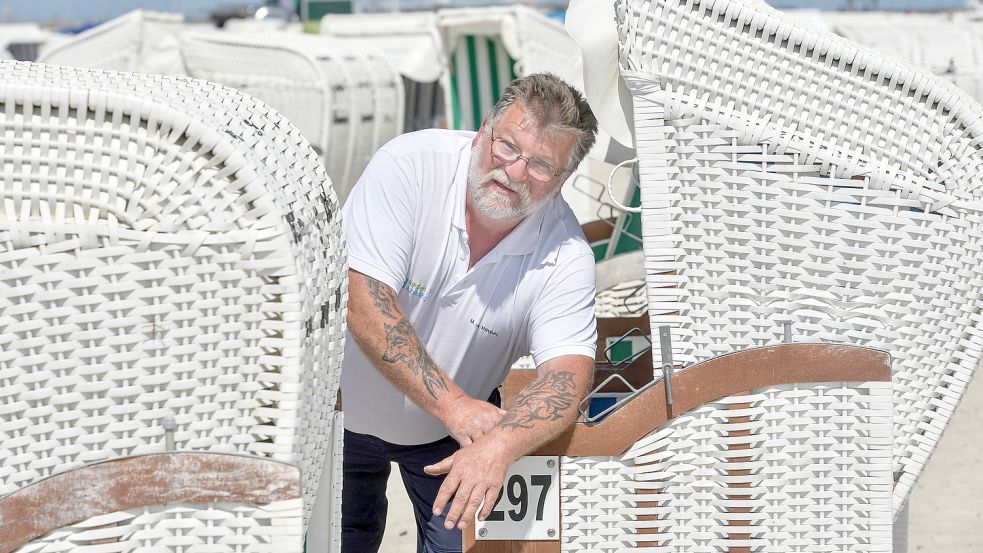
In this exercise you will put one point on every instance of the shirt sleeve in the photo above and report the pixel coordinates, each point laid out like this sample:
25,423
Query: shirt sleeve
380,218
562,320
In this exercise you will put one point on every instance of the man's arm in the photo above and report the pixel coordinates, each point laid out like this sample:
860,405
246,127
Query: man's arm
539,412
390,342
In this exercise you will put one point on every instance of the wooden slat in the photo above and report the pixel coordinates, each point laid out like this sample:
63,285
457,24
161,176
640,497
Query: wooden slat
717,378
133,482
600,229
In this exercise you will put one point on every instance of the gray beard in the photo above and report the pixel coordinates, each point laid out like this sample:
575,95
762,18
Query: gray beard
493,205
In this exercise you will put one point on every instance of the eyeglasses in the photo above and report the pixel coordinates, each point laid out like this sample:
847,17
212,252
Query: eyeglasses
537,168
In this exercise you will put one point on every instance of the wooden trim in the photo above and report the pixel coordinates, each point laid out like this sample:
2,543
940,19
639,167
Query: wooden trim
601,229
471,545
717,378
133,482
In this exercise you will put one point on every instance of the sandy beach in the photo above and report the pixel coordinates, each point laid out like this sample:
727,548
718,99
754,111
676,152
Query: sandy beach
946,508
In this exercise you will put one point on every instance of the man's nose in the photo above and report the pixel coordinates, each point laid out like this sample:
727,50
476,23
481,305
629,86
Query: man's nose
516,170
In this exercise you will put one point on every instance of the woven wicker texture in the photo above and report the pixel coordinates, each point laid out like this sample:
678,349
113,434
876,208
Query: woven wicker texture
348,101
950,47
271,528
787,468
168,247
792,176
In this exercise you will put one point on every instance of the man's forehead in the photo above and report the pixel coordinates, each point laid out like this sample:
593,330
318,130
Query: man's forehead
516,116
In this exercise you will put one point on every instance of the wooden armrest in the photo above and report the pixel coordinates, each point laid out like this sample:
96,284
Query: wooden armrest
133,482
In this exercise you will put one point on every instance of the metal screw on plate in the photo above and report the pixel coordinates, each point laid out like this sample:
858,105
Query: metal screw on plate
551,463
551,532
483,532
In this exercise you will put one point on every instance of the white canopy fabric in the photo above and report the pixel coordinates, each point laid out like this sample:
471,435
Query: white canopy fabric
592,24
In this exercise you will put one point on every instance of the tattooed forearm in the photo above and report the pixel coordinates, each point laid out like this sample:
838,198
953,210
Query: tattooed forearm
402,343
383,298
546,399
403,346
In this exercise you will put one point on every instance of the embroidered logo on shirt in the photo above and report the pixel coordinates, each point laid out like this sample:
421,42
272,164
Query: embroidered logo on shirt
415,288
484,329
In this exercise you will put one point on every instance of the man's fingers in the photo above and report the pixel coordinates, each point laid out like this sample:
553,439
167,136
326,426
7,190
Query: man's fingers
471,506
461,498
444,494
490,496
441,467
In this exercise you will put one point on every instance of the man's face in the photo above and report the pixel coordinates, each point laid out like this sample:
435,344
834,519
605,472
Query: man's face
502,190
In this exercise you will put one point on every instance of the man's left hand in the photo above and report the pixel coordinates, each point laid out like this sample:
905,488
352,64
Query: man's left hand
474,473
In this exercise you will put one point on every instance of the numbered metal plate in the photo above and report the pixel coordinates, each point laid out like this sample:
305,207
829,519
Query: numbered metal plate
528,507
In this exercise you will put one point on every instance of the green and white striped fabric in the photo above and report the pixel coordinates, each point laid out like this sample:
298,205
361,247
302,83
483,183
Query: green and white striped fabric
480,69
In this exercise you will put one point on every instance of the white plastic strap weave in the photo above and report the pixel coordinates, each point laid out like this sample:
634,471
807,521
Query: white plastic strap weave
168,247
789,175
272,528
802,467
947,44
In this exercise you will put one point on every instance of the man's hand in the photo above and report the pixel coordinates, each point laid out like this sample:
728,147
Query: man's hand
539,411
474,473
468,419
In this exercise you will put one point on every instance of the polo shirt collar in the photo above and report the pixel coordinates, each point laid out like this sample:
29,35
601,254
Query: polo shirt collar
461,191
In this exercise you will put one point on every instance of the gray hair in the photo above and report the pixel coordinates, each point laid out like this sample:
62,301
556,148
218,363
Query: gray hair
555,106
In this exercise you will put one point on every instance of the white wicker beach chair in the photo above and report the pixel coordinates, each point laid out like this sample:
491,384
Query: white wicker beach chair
347,101
23,41
170,250
784,448
796,184
140,41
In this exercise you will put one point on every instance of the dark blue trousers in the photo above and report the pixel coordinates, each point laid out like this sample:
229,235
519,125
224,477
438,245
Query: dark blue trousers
363,496
363,499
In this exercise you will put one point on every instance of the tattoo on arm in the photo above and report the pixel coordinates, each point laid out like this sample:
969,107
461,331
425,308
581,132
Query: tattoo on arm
402,343
382,298
545,399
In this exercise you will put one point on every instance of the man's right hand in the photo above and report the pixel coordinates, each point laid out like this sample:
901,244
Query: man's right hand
468,419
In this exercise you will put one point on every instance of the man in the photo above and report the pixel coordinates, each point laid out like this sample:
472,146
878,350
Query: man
463,258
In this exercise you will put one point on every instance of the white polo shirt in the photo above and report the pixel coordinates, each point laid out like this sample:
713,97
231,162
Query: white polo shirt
533,293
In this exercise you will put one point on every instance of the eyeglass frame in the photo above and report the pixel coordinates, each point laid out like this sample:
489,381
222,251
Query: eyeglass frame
518,155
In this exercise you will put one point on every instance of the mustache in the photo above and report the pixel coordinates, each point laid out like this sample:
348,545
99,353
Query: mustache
499,174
